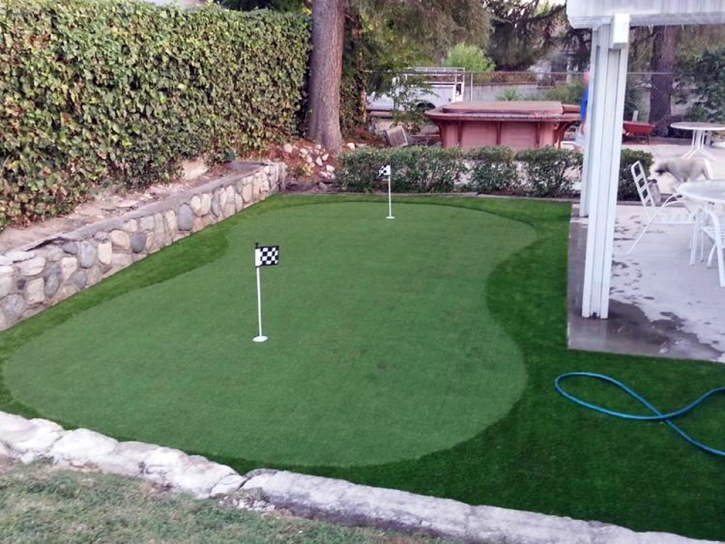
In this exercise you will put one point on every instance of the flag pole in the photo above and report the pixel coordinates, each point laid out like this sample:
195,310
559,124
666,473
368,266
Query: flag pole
260,337
390,198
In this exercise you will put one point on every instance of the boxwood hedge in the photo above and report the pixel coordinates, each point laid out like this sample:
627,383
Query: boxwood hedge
546,172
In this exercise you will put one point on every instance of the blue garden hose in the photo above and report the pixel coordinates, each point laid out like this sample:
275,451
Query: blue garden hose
659,416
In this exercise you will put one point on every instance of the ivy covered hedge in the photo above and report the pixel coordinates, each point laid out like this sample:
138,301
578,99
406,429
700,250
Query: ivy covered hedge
120,91
546,172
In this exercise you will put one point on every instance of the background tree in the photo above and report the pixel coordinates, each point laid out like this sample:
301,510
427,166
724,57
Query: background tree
381,37
470,57
662,66
671,53
705,72
524,32
423,31
328,25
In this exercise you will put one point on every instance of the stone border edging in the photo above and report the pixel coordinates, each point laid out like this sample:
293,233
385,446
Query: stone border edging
315,497
40,274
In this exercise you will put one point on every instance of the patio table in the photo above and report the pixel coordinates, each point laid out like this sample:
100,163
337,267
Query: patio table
700,132
710,194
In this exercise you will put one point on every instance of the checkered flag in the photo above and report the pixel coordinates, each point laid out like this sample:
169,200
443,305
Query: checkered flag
384,171
266,255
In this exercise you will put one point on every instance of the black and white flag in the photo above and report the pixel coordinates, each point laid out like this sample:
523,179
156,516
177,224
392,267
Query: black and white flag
384,171
266,255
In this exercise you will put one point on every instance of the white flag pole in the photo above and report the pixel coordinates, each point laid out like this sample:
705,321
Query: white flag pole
260,337
390,198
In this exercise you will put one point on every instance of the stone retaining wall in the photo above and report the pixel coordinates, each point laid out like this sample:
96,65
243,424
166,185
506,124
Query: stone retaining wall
328,499
41,274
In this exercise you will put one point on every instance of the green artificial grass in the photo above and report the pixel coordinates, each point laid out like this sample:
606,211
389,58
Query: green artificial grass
545,454
380,338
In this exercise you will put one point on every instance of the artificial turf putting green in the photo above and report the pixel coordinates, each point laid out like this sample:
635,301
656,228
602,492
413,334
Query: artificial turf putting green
546,454
381,344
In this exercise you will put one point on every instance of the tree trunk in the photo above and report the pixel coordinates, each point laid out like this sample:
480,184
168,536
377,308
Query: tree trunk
663,63
328,24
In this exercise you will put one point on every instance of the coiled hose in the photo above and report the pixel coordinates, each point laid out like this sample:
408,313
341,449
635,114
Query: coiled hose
659,416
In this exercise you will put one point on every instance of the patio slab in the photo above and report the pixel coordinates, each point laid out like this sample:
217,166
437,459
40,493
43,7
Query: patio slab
660,305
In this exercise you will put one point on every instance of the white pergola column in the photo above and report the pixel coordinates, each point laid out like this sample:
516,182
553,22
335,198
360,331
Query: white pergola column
601,172
584,190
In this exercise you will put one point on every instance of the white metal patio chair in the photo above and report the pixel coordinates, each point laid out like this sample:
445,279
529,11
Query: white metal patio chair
673,211
710,227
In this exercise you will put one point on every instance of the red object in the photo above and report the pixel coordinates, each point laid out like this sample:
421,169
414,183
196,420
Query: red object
637,129
516,124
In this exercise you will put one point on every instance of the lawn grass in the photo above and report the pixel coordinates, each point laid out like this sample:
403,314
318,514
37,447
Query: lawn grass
546,454
40,503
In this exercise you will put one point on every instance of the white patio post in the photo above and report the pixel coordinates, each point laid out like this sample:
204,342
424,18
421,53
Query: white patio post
605,112
584,191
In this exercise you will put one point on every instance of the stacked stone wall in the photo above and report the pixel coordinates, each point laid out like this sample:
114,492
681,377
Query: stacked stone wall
39,275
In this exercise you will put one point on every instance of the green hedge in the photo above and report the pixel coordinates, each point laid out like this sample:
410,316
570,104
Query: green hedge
494,169
534,172
627,190
119,92
546,172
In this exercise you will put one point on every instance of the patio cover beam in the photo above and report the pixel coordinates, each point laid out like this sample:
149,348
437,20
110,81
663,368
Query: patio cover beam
590,14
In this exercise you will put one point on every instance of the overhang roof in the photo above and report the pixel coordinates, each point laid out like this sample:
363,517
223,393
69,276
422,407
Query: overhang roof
593,14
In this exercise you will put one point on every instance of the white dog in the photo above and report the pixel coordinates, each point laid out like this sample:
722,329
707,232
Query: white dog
684,169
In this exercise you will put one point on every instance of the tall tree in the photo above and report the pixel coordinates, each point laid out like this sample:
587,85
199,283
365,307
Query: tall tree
328,29
664,51
524,31
423,30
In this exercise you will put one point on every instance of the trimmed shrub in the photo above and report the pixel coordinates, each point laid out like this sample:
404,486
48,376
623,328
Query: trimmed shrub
546,172
492,170
358,170
414,169
626,189
549,172
120,92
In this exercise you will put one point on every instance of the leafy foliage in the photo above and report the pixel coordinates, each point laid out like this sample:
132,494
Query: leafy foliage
523,32
493,169
545,172
508,95
408,109
571,93
549,172
470,57
358,53
423,31
707,74
249,5
121,92
626,189
384,38
416,170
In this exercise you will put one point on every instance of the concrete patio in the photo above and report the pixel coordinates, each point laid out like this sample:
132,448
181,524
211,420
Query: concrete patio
660,305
